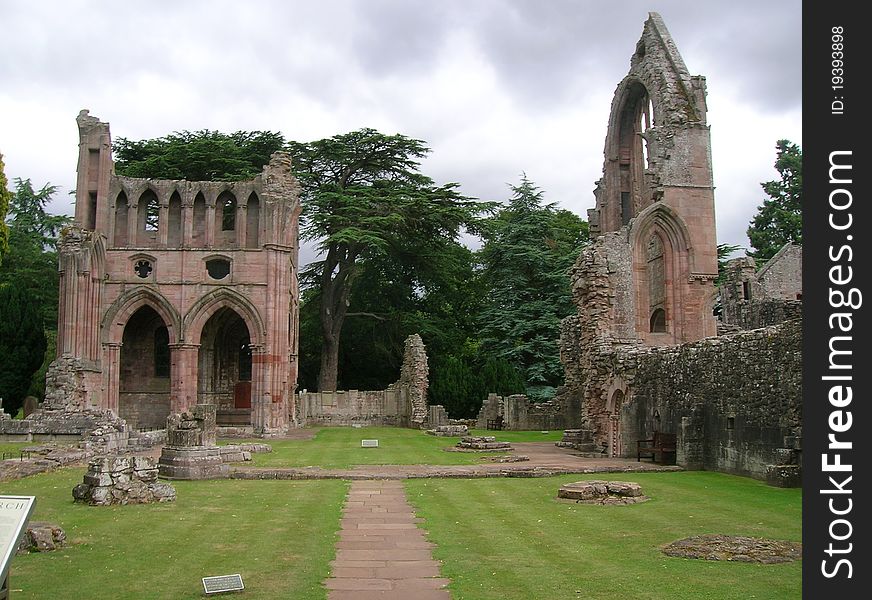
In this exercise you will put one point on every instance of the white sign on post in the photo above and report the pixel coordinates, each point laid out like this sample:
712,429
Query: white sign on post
14,513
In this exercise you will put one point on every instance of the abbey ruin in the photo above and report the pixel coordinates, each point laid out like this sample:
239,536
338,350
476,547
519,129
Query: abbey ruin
175,293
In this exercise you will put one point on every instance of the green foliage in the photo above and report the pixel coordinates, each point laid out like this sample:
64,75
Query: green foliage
364,200
37,382
5,198
22,344
197,156
31,262
779,219
461,382
528,249
724,253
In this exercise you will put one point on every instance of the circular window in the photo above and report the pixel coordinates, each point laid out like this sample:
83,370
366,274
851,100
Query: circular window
218,268
143,268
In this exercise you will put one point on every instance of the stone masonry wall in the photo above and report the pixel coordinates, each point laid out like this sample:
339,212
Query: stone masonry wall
735,401
403,404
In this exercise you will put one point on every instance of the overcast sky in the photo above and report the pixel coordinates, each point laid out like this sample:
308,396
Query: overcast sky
495,87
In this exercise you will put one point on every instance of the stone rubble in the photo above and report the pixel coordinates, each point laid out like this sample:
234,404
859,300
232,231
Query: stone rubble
449,431
122,480
602,492
482,443
40,536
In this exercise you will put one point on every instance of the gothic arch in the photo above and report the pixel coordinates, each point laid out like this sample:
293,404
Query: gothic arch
660,314
128,303
98,259
206,306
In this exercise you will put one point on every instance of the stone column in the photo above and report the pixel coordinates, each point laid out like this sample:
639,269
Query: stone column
210,224
112,381
163,225
183,374
187,225
689,447
241,224
132,222
260,394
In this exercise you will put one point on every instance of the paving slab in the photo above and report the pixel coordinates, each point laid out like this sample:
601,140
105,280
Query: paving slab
382,553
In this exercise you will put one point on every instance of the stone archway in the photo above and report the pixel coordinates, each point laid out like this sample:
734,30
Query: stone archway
225,367
144,370
615,440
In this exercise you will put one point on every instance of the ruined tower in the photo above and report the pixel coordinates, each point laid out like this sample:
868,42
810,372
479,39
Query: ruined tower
647,279
178,292
656,197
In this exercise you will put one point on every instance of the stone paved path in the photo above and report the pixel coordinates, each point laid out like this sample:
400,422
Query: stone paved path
381,553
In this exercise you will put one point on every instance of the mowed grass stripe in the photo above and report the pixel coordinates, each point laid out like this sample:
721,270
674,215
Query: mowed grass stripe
510,539
339,448
279,535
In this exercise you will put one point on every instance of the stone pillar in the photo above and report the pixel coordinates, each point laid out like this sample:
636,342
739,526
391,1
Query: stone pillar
163,224
690,440
210,224
187,225
112,362
190,451
183,373
132,222
260,395
241,224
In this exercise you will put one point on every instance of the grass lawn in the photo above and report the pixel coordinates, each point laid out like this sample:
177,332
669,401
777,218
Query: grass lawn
339,448
506,539
13,449
279,535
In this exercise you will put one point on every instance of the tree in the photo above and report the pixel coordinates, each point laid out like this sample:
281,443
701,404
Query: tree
22,344
31,262
779,219
5,197
528,249
197,156
363,198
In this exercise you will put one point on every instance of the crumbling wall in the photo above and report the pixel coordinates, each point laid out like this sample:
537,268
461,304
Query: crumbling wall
751,298
402,404
354,407
519,413
414,380
122,480
735,402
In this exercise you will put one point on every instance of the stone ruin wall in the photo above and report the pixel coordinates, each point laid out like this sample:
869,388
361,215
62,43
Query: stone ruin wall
752,298
734,401
402,404
519,413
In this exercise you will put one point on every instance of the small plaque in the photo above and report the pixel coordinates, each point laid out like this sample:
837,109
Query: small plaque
369,443
223,583
357,425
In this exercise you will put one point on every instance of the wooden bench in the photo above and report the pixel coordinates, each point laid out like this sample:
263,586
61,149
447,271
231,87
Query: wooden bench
660,448
496,424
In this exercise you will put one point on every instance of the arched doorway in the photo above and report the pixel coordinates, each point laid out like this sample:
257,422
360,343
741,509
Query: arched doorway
144,372
225,367
615,441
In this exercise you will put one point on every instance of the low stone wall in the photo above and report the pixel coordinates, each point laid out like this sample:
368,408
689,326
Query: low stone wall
754,314
734,401
519,413
352,407
402,404
94,430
